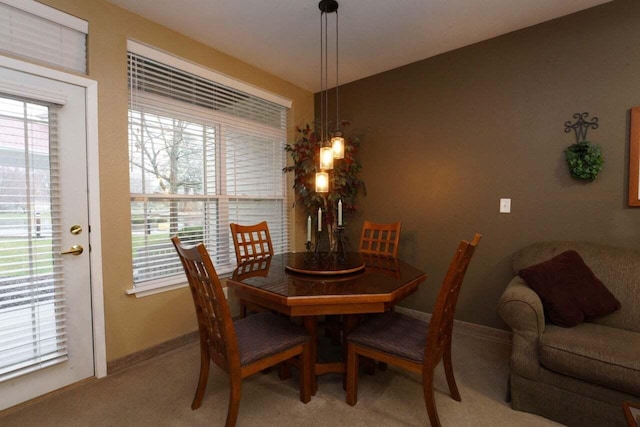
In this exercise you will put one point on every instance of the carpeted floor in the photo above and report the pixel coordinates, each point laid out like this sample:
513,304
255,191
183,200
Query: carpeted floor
158,392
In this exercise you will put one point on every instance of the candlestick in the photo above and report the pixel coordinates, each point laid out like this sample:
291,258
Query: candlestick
309,228
319,219
341,253
340,213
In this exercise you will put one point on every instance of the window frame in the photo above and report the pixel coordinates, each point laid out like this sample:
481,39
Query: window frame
218,120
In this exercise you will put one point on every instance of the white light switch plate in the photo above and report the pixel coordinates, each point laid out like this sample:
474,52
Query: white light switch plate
505,205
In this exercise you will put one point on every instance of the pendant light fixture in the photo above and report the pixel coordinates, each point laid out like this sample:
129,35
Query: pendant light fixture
337,140
326,158
333,148
322,182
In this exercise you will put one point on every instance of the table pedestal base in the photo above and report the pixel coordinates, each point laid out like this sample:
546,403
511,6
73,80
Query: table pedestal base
320,368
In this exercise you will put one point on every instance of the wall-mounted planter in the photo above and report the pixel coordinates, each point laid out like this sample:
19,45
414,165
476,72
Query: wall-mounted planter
585,160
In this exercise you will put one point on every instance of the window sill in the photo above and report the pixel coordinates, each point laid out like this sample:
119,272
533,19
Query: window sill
168,284
157,286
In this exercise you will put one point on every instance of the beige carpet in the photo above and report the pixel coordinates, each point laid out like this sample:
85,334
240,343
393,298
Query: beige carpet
158,392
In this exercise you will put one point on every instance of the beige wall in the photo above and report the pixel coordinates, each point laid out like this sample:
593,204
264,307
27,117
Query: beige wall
445,138
134,324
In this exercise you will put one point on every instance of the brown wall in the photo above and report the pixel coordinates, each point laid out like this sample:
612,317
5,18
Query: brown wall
445,138
135,324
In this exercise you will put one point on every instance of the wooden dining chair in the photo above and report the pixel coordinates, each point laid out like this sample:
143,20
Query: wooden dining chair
380,239
251,242
376,240
243,347
410,343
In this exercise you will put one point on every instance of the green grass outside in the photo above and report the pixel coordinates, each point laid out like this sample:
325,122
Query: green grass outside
150,239
19,257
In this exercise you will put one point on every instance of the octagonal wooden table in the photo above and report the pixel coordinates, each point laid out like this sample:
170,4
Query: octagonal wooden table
308,285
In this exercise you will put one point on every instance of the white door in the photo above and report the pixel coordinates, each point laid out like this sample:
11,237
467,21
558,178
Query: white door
46,337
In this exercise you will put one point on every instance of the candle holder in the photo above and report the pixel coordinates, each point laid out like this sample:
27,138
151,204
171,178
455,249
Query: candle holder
317,245
341,253
309,245
311,257
322,243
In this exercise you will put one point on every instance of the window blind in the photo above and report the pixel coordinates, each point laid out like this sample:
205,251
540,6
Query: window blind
33,30
32,308
202,155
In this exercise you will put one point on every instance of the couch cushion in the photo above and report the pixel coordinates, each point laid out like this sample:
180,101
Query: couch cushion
618,268
595,353
569,290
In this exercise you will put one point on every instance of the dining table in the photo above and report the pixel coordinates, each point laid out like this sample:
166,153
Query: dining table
310,284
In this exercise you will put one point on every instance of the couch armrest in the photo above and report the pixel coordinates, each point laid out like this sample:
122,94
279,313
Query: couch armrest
521,308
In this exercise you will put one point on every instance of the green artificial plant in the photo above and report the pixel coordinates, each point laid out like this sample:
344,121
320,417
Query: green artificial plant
344,183
585,160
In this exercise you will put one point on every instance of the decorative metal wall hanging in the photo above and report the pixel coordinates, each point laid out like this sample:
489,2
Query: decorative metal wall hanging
585,160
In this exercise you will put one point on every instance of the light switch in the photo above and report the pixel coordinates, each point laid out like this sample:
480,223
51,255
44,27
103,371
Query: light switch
505,205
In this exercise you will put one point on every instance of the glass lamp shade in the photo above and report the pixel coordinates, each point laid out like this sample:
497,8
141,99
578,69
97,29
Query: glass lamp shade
337,144
326,158
322,182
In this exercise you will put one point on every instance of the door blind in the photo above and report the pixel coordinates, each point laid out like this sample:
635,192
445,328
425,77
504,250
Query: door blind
33,30
202,155
32,307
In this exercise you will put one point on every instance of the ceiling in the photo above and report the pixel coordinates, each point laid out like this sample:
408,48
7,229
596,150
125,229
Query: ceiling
283,36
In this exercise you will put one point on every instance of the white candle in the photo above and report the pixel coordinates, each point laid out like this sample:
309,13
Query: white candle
340,213
309,229
319,219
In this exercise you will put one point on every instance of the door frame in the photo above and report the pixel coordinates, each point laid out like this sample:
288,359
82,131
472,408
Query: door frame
93,181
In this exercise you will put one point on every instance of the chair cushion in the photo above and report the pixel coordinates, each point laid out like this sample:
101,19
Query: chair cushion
569,290
393,333
264,334
599,354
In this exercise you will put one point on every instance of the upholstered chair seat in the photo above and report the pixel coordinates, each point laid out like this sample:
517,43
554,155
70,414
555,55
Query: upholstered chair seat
395,334
265,334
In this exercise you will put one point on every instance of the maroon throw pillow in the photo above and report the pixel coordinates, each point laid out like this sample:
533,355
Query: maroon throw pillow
569,290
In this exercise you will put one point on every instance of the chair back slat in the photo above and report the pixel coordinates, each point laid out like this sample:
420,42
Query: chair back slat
441,323
380,239
251,241
215,324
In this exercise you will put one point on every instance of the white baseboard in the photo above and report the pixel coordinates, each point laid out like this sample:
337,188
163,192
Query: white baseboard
479,331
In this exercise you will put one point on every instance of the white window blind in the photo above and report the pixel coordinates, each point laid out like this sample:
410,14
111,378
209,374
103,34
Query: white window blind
202,155
32,308
36,31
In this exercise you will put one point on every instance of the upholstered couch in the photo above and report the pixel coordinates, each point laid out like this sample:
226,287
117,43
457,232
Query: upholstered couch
579,376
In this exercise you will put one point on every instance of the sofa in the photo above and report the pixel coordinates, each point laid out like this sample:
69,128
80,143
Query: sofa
578,376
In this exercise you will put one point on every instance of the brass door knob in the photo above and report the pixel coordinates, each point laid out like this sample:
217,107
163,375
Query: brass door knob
74,250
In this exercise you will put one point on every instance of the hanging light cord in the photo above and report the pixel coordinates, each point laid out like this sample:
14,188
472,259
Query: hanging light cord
326,75
321,80
337,82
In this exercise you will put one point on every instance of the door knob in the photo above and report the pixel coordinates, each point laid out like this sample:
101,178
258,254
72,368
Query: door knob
74,250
